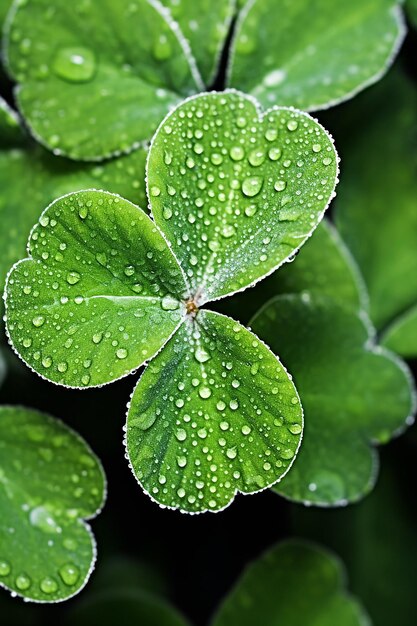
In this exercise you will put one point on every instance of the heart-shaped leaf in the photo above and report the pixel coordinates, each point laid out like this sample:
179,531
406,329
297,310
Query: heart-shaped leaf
354,394
384,194
205,25
296,583
126,607
313,55
323,266
214,413
50,482
118,67
235,191
102,293
96,298
49,177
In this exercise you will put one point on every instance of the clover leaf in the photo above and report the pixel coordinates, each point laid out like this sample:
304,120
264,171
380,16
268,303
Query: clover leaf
367,191
50,482
354,394
48,177
122,66
313,55
205,25
323,266
295,583
102,293
128,606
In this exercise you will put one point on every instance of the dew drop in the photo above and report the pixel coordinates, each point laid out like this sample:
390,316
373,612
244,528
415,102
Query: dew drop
252,186
121,353
76,65
201,355
73,278
168,303
5,568
38,321
69,574
48,585
23,582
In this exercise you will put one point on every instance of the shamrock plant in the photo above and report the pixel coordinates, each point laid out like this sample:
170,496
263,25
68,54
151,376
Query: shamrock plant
233,194
121,66
50,482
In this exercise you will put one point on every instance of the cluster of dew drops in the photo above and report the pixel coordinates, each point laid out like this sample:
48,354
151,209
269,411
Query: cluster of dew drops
225,435
233,181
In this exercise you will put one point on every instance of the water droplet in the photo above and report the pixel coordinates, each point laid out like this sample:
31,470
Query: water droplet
83,212
237,153
181,461
251,210
169,303
252,186
201,355
295,429
231,453
256,157
38,321
97,338
23,582
167,213
42,519
76,65
162,49
246,430
155,192
73,278
204,392
316,147
5,568
280,185
275,154
292,125
181,435
69,574
48,585
129,270
121,353
234,404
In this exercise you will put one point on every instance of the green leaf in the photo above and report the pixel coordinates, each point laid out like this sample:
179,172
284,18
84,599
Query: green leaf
205,24
10,132
354,394
49,177
2,368
378,189
294,584
313,55
323,266
376,536
50,482
124,607
96,78
96,298
214,414
401,335
235,191
412,11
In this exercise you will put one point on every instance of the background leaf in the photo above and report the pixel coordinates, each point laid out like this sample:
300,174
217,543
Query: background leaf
401,336
10,132
237,192
313,55
353,394
50,482
294,584
213,414
94,300
376,538
323,266
118,66
126,607
376,208
205,24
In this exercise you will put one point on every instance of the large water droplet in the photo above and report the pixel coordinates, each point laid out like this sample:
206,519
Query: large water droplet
23,582
5,568
48,585
252,186
169,303
69,574
201,355
76,65
42,519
